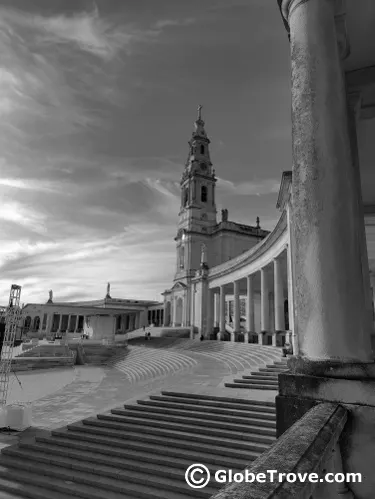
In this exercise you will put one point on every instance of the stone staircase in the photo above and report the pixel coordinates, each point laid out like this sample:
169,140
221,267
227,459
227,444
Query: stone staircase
140,450
266,378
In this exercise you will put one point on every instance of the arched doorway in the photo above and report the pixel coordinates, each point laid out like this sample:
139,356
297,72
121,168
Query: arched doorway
179,311
27,324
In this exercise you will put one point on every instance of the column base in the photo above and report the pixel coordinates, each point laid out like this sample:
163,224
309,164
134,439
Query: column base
331,368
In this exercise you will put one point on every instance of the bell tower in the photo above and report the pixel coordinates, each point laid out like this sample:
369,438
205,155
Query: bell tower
198,208
197,213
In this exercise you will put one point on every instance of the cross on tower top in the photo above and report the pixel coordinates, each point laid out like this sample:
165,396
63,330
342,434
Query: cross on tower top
200,112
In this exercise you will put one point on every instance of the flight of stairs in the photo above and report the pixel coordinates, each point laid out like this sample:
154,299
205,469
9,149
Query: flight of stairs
266,378
140,450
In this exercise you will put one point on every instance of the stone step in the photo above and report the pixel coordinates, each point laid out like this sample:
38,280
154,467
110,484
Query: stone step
232,425
264,373
197,413
90,486
212,411
252,387
9,489
180,430
261,377
109,456
115,469
105,441
273,369
169,438
230,400
257,381
213,404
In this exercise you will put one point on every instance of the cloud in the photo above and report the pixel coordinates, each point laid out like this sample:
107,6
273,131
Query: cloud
167,23
31,185
88,31
23,215
266,186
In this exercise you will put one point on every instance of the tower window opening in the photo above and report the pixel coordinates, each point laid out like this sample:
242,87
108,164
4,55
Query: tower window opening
202,149
204,194
182,257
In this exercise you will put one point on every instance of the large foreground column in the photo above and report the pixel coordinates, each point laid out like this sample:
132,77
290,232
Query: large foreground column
330,315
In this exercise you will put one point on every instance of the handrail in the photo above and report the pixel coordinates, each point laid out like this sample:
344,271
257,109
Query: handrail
310,446
254,252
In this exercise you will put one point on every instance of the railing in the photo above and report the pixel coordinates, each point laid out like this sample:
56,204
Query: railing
311,445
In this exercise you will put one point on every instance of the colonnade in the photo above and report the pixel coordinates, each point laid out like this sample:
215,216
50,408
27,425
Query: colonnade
216,313
156,316
57,324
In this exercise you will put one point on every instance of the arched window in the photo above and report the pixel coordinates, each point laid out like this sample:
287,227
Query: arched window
186,197
204,194
182,257
36,323
202,149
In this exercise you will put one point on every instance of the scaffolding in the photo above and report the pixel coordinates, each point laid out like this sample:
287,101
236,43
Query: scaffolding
12,320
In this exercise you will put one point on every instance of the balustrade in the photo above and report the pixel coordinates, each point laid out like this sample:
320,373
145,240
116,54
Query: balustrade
311,445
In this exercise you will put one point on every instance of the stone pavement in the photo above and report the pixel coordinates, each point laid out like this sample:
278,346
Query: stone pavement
96,390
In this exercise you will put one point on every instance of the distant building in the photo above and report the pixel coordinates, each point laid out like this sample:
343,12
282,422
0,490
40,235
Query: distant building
96,319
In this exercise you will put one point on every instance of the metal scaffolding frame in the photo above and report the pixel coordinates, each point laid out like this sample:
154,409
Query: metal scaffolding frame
12,319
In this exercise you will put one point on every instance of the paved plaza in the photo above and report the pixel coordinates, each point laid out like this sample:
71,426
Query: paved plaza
61,397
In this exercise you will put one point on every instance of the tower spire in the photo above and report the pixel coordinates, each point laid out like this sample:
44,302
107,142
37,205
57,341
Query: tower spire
200,112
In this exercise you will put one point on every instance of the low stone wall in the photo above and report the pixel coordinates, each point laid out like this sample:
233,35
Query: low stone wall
171,332
93,353
36,363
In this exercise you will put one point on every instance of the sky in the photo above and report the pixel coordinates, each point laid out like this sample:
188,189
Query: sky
97,104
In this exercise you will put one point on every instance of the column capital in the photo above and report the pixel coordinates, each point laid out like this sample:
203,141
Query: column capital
287,7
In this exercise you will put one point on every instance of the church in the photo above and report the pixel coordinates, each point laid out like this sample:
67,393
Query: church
199,234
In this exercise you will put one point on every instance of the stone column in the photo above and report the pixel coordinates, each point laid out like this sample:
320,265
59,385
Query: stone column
222,311
279,296
265,304
250,313
60,322
174,309
49,325
165,319
210,313
329,299
217,309
236,310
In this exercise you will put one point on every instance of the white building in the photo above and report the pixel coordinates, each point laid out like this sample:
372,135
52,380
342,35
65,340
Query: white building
97,319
